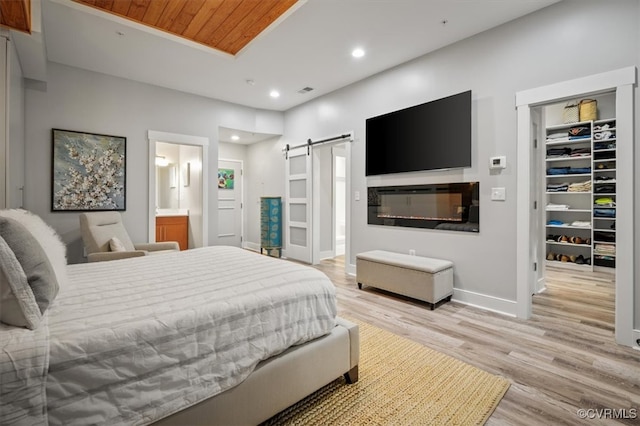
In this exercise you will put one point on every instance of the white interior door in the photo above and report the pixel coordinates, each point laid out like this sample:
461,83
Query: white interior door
230,202
298,205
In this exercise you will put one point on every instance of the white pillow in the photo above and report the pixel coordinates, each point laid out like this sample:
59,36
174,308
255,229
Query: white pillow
48,239
116,245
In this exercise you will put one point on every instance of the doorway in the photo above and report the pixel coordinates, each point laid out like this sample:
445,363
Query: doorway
230,202
310,201
621,82
179,185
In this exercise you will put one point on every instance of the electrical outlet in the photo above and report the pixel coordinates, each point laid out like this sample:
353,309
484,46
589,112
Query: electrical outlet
412,252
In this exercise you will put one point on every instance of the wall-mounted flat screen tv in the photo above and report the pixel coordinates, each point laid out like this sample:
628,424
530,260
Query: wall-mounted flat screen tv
430,136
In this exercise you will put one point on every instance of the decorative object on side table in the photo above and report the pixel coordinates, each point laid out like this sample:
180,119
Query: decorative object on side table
88,171
271,225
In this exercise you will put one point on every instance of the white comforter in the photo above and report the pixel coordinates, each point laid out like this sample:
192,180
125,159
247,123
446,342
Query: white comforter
135,340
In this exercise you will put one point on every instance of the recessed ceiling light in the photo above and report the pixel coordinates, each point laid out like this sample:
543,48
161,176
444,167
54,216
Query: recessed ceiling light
274,94
357,52
235,137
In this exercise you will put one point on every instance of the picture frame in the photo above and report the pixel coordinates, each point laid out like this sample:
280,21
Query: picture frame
226,178
88,171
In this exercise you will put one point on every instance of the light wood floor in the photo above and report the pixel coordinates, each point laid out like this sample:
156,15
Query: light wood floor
561,360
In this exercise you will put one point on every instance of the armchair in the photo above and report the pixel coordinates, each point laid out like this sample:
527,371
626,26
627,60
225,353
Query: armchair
99,228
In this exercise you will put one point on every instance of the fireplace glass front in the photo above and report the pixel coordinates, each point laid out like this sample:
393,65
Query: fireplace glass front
448,206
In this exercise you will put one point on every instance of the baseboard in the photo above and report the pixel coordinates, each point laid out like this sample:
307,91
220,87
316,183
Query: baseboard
327,254
482,301
251,246
350,269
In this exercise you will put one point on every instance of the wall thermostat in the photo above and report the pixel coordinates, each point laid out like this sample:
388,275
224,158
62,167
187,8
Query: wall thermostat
498,162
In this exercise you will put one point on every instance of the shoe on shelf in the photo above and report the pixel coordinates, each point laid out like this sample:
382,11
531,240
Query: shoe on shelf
579,260
551,256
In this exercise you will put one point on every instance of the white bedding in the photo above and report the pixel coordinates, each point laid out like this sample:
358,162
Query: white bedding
132,341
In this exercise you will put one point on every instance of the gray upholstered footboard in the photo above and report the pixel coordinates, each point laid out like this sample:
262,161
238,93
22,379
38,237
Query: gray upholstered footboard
296,373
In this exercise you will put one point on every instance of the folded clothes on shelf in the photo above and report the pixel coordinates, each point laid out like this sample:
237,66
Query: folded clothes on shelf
568,170
607,188
606,126
580,186
604,202
581,223
604,155
553,206
580,131
609,237
600,212
557,135
605,179
560,187
604,248
554,222
604,135
604,145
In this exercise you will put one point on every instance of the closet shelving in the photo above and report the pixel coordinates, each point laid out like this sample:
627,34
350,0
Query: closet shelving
604,192
579,209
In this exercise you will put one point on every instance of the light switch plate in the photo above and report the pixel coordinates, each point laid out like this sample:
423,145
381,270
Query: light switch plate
356,195
498,194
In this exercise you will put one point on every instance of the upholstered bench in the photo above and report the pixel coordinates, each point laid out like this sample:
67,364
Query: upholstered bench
422,278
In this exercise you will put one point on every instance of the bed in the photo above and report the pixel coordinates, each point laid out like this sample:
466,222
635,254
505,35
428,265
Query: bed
203,336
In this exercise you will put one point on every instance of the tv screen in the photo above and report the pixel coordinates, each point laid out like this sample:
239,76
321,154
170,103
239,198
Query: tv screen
430,136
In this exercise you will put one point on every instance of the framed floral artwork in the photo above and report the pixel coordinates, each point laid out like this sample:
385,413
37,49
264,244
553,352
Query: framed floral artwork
226,178
88,172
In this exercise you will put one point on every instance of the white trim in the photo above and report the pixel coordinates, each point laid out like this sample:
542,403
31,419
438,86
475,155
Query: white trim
176,138
350,268
242,200
488,303
625,255
326,254
621,80
577,87
251,246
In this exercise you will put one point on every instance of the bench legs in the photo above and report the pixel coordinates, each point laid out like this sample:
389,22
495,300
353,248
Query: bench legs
360,286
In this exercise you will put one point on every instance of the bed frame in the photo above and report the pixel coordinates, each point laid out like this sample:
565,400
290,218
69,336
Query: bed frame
280,381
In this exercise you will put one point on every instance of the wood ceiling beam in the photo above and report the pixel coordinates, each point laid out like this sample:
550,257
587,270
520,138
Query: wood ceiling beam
226,25
16,15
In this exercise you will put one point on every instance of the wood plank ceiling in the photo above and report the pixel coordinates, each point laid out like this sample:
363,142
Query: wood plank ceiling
16,15
226,25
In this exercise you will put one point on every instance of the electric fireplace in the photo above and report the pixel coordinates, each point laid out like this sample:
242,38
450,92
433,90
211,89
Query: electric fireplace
443,206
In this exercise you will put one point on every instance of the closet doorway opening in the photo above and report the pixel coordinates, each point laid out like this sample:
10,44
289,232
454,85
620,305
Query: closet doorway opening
529,201
329,201
576,176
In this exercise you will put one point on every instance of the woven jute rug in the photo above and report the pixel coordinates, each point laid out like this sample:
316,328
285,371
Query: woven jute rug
401,383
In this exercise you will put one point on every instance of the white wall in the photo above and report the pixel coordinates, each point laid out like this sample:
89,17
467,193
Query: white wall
264,176
545,47
87,101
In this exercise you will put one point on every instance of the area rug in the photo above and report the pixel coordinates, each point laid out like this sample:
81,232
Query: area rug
401,383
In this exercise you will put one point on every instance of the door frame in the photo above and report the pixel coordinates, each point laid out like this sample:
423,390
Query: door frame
154,136
315,224
621,81
242,201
